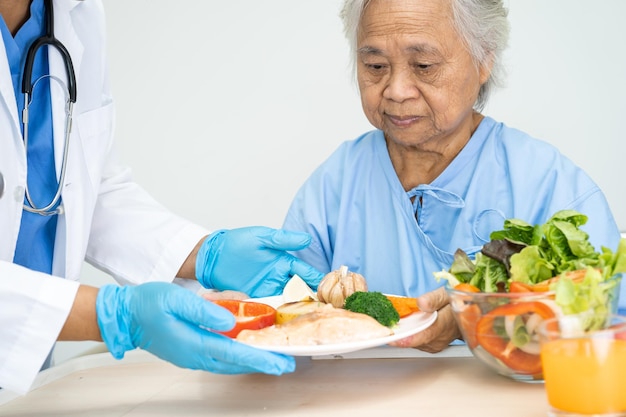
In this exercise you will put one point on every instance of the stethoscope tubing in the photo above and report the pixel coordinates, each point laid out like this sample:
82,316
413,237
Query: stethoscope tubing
48,39
27,89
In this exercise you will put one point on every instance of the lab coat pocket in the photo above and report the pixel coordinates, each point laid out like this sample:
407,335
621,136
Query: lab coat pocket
94,138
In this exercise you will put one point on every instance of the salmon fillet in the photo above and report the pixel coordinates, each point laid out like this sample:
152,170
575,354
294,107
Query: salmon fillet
327,325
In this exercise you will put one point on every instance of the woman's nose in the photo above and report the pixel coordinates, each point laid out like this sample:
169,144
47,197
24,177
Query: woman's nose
400,86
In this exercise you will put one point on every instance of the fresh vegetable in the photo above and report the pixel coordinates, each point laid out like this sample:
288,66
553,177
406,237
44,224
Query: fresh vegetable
403,305
464,286
339,284
554,258
374,304
536,258
248,315
468,319
544,286
290,311
297,290
508,334
515,286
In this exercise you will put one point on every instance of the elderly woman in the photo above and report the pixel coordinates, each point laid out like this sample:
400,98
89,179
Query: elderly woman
436,174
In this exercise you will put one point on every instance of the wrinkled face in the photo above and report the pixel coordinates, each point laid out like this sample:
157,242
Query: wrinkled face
417,81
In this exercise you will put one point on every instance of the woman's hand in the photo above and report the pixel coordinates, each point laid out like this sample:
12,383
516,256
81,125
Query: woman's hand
443,331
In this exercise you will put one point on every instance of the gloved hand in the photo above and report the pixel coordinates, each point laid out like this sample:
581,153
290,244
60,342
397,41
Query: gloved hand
253,260
166,320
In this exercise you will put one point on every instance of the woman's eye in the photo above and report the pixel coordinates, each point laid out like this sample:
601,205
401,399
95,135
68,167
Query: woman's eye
422,67
375,67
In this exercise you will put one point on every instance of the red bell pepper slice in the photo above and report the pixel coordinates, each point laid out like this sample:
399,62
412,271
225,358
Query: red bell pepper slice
469,316
469,319
501,348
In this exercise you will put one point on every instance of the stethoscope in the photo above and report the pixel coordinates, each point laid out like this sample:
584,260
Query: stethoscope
27,89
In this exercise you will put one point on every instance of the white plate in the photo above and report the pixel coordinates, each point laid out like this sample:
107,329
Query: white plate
407,326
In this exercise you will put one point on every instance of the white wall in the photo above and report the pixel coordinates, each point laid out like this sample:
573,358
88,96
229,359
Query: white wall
224,108
567,84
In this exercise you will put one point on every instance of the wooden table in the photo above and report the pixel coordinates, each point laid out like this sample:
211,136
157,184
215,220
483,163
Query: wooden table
141,385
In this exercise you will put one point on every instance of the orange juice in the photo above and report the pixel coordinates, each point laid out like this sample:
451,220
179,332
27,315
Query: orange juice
586,375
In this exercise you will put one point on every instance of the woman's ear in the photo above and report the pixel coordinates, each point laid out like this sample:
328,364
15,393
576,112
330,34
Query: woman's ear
485,68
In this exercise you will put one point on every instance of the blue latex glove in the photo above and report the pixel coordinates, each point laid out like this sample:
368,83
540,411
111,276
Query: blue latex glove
253,260
165,320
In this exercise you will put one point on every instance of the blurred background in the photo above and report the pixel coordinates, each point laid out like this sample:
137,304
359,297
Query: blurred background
225,107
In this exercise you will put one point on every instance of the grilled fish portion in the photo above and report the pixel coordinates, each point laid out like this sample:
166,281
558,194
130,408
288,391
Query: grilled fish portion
327,325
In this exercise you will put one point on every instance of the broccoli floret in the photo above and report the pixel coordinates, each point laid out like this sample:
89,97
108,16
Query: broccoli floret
374,304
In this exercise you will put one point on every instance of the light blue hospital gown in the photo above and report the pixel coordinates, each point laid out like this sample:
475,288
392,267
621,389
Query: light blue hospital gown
359,214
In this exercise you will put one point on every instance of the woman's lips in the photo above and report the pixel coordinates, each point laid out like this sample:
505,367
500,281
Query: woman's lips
402,121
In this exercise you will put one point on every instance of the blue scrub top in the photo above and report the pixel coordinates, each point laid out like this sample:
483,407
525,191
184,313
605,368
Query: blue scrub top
360,215
35,244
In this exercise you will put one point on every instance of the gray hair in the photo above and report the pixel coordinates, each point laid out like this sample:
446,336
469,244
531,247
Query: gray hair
482,24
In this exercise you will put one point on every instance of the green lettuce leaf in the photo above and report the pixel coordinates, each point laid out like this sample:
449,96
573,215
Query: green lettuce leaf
530,267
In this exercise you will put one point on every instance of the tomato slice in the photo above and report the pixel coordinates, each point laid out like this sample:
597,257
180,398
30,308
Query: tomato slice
516,359
248,315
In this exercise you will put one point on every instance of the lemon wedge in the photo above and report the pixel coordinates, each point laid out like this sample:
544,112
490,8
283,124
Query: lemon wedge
291,310
298,290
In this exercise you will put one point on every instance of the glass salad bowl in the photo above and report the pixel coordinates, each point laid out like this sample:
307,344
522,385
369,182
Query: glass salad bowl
500,328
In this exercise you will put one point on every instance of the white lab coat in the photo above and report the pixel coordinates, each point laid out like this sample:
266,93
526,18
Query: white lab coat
108,220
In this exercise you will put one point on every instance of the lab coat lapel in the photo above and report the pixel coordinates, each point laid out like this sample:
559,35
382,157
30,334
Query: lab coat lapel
12,161
7,98
65,33
67,243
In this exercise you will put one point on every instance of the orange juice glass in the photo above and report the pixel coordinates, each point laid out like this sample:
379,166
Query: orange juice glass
584,372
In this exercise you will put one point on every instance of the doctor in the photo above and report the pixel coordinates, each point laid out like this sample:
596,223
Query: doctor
66,199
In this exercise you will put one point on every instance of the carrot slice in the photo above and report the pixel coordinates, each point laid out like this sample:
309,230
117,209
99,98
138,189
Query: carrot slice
464,286
516,286
576,276
404,305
